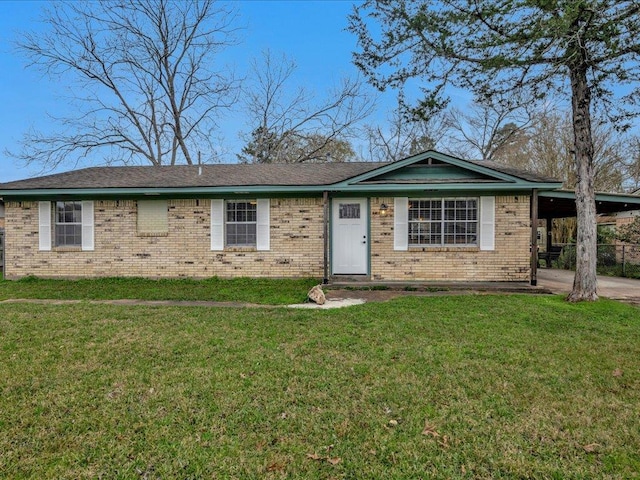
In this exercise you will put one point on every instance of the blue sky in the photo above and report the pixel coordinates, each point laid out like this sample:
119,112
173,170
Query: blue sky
311,32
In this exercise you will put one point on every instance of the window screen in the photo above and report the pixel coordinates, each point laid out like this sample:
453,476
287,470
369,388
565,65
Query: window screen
449,221
68,220
241,222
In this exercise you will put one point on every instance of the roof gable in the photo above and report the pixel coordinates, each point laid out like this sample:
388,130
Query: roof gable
432,167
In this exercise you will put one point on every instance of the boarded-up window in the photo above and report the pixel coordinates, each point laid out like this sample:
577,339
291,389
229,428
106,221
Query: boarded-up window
153,218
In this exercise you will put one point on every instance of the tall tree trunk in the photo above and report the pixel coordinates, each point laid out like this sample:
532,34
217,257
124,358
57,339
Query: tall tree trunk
585,282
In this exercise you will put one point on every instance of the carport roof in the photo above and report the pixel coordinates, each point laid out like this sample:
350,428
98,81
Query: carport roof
562,203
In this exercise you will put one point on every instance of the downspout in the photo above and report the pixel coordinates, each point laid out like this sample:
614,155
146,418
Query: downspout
325,198
534,237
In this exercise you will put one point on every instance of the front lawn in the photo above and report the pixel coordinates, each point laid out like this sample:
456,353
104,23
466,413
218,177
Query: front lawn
439,387
250,290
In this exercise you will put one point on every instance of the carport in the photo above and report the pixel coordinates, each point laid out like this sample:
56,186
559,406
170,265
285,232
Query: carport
552,204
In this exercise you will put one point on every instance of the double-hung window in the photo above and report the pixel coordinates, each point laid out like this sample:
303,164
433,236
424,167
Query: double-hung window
65,224
443,221
241,223
68,224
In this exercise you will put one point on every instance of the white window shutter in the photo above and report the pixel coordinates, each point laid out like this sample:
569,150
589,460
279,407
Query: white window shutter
217,224
401,223
487,223
262,227
44,225
87,225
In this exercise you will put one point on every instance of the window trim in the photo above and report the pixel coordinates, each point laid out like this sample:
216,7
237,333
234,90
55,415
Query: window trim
149,222
236,222
218,225
59,225
47,227
443,222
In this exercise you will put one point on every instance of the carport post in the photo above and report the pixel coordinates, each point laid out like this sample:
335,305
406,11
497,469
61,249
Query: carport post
325,235
534,237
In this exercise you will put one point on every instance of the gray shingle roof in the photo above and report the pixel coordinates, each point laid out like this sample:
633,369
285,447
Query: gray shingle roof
181,176
231,175
516,172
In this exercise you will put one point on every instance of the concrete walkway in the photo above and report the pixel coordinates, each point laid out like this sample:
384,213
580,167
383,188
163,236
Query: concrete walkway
561,281
330,304
344,295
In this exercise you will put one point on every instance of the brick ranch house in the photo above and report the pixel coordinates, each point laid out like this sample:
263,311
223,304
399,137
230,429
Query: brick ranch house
429,217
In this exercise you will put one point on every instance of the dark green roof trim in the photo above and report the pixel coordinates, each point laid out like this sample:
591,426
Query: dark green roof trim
600,197
267,190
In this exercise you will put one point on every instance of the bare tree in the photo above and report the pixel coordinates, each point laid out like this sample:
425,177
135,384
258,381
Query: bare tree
632,166
402,135
486,126
141,75
546,147
609,151
290,124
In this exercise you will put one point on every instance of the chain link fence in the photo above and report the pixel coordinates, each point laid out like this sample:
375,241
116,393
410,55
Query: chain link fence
617,260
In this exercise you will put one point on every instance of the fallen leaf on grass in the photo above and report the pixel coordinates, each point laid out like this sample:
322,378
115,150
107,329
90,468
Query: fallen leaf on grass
430,430
445,442
275,467
334,461
617,372
315,456
591,448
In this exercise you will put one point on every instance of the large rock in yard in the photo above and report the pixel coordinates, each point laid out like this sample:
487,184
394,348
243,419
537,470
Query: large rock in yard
316,295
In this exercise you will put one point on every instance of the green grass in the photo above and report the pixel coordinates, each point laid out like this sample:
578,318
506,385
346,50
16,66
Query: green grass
507,386
264,291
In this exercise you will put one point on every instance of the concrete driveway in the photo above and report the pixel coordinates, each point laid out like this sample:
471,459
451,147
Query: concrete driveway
561,281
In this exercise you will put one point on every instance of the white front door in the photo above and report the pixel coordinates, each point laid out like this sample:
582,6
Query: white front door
350,242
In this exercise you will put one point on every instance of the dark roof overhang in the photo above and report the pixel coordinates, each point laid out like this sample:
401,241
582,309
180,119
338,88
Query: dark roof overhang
562,203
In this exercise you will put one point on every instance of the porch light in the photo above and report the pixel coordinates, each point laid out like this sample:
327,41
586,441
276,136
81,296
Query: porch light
383,209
